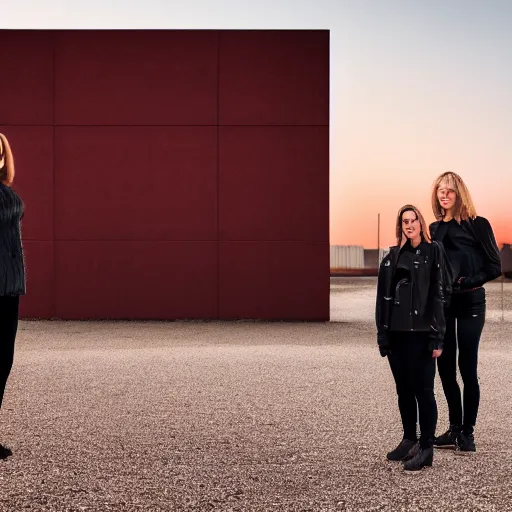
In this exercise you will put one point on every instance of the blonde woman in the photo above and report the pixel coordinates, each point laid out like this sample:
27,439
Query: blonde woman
474,258
12,267
410,330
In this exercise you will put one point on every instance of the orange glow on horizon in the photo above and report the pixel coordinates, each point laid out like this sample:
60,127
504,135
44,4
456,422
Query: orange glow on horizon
347,232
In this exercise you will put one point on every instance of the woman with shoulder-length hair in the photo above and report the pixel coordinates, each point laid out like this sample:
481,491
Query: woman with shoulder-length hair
410,331
12,267
474,258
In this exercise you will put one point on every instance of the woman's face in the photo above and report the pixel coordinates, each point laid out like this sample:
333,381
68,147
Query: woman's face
411,225
446,195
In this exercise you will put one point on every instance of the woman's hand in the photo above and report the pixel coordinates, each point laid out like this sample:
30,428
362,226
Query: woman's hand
384,351
437,353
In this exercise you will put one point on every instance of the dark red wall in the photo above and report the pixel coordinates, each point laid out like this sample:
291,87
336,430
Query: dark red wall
171,174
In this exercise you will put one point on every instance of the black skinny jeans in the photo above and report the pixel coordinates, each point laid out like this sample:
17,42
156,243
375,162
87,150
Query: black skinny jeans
414,370
465,319
8,330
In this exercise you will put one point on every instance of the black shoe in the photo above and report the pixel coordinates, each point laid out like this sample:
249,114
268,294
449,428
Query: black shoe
401,450
449,438
5,452
466,442
423,457
412,452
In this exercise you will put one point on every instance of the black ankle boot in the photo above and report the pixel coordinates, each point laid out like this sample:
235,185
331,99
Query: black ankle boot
5,452
401,450
412,452
423,458
449,438
466,440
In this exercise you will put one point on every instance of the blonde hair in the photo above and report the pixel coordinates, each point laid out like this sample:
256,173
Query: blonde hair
6,161
464,208
400,237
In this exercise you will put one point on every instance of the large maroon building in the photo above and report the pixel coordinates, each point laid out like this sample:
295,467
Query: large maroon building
171,174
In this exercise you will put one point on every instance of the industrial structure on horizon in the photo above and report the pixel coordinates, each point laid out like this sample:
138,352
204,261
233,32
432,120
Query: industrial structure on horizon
357,257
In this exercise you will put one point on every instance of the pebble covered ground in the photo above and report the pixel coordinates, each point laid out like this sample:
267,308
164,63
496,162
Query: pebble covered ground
240,416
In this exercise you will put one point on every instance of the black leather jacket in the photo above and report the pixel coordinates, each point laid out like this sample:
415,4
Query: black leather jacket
430,289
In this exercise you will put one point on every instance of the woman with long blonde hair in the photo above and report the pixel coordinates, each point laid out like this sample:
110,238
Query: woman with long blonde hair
410,330
12,267
474,258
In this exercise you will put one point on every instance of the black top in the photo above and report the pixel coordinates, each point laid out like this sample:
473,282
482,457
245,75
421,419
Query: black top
12,262
403,266
471,250
401,318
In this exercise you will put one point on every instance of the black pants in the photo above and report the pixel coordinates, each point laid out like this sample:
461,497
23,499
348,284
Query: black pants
8,329
414,370
465,319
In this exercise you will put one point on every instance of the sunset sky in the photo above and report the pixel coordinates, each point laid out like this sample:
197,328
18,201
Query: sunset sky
424,87
417,87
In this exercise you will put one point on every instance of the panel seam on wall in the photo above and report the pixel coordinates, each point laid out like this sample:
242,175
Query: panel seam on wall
54,248
218,178
174,125
179,240
329,174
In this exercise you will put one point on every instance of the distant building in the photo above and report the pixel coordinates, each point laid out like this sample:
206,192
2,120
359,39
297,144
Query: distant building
373,257
506,260
355,256
347,256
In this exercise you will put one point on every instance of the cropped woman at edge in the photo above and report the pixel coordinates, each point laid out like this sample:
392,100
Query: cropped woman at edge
410,330
474,259
12,268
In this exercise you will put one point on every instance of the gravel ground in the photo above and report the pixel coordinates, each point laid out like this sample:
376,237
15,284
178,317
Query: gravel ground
237,416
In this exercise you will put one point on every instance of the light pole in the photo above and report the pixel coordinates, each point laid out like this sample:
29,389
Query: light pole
378,239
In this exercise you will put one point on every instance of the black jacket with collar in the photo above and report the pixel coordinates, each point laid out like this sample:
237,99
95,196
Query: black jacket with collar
12,262
430,289
484,260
